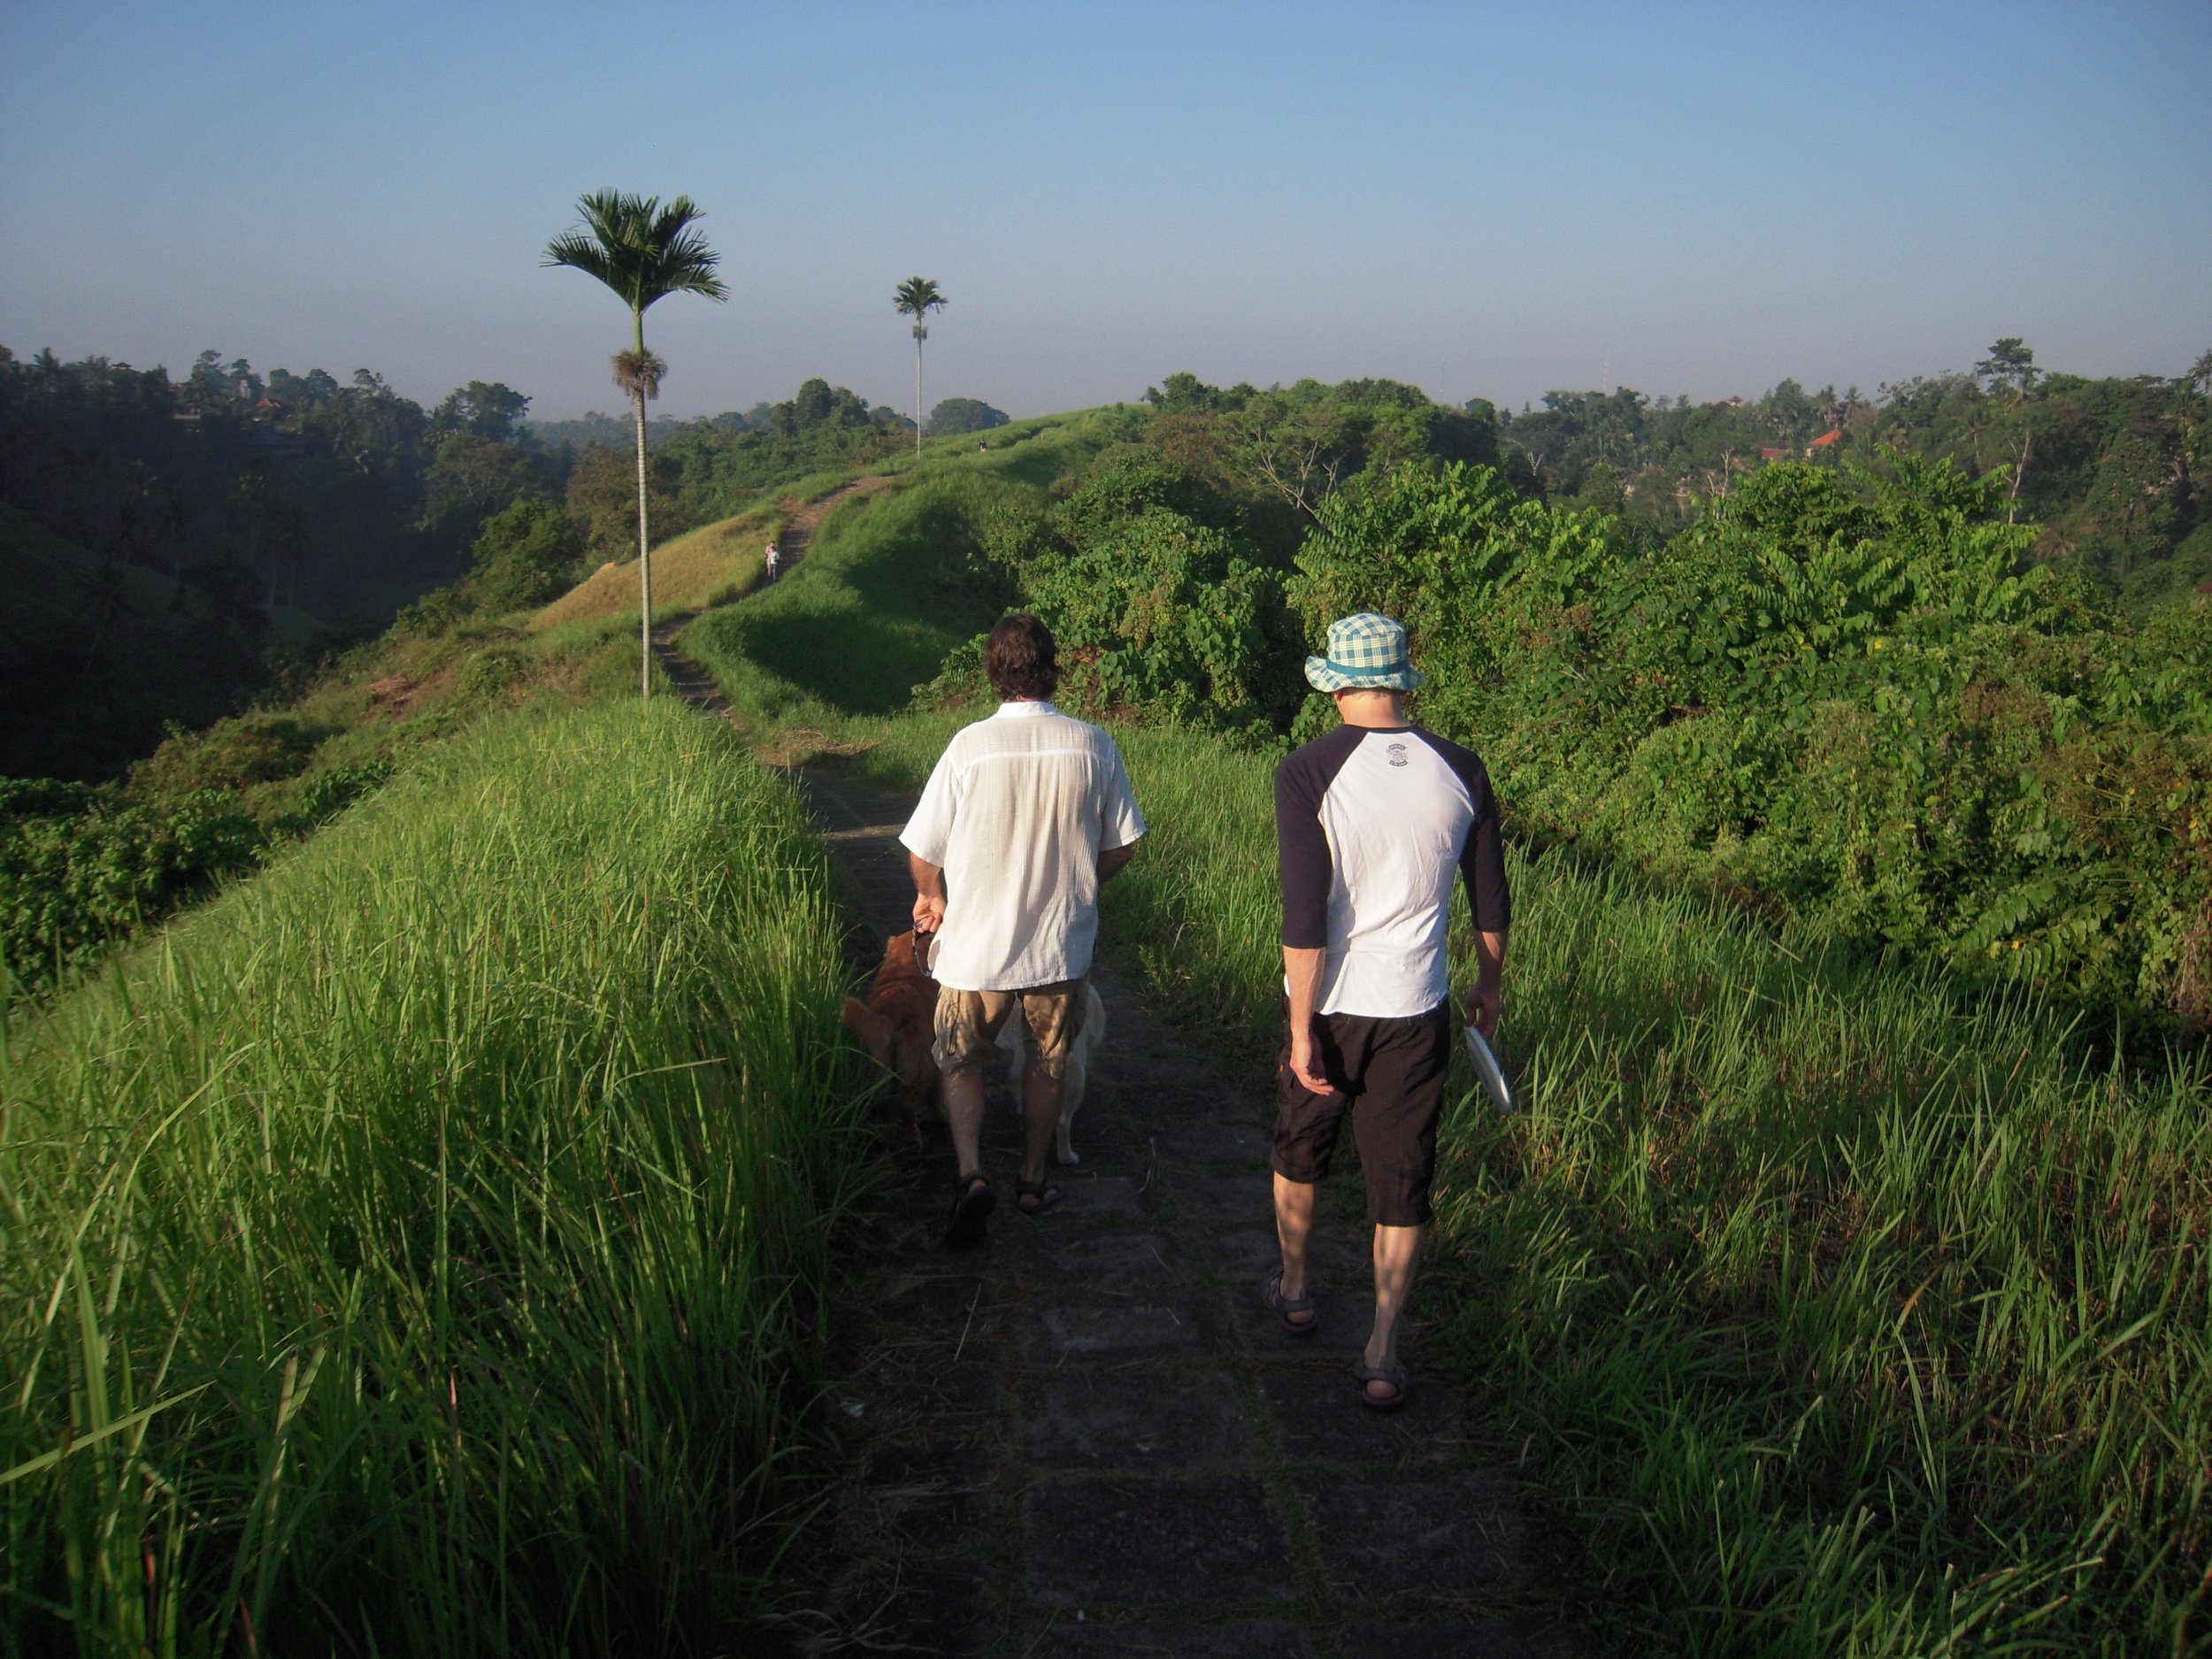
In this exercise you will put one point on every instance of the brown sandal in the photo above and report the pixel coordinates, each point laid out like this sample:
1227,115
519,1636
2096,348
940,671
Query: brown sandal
972,1202
1272,1295
1393,1373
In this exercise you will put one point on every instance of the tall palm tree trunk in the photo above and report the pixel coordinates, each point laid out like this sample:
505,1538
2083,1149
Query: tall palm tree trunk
918,333
644,537
644,565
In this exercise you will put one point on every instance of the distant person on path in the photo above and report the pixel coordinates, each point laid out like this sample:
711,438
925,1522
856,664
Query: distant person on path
1371,822
774,561
1027,814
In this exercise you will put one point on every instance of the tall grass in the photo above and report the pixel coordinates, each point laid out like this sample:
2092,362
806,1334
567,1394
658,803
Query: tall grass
416,1251
1842,1317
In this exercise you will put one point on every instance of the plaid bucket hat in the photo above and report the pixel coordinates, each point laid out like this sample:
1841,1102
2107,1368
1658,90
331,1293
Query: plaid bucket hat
1366,653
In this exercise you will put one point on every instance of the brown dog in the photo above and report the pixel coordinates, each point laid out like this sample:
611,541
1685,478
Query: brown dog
897,1026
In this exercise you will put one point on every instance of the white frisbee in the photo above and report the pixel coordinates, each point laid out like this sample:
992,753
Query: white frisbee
1492,1073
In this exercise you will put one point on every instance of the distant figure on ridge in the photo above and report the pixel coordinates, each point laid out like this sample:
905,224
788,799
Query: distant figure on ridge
1027,814
774,561
1371,821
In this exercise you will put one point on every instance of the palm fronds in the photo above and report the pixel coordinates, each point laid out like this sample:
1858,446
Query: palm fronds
643,250
917,297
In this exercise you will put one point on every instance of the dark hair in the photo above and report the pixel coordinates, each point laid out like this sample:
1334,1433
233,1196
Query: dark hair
1022,660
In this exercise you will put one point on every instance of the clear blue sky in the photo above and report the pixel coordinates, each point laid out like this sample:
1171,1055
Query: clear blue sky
1484,199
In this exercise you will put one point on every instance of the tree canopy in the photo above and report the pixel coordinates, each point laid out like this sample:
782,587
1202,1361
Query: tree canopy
956,415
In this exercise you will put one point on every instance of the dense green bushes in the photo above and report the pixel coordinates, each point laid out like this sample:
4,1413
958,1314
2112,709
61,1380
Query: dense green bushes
1844,699
1158,600
417,1250
82,869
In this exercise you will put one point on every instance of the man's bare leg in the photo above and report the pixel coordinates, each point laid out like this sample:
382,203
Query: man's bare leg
1294,1227
1041,1094
1397,1253
964,1112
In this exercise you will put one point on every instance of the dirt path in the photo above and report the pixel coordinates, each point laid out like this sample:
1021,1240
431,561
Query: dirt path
798,530
1085,1436
693,682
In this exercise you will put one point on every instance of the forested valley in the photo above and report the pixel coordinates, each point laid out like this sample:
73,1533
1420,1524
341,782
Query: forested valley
185,561
1840,1287
1929,667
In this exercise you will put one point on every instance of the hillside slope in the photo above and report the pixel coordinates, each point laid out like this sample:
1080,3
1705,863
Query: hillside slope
417,1246
890,585
1837,1307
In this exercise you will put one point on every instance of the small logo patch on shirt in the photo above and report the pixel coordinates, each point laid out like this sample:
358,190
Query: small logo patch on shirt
1397,753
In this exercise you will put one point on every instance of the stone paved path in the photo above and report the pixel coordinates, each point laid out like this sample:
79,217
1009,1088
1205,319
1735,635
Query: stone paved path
1085,1437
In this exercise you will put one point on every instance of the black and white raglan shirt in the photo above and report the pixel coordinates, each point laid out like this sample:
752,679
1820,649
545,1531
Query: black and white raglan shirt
1371,824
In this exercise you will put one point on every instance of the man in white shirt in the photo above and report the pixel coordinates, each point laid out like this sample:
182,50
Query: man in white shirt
1372,822
1027,815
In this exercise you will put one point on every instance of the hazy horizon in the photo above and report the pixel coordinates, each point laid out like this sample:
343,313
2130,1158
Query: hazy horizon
1485,203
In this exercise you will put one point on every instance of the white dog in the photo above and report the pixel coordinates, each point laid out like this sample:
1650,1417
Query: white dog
1013,1041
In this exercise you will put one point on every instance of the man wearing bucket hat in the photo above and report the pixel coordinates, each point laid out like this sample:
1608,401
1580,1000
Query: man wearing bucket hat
1372,823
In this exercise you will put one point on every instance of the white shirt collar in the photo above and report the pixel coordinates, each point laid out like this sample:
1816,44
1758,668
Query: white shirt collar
1019,710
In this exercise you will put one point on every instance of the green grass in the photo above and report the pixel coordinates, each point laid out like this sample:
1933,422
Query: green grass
1836,1317
1829,1310
417,1249
888,584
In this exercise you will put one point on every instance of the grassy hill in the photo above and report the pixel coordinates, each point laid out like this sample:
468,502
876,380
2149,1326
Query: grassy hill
891,585
712,566
1838,1309
419,1243
423,1229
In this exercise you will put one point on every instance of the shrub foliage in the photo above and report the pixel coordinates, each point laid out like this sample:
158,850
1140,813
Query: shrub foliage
1844,696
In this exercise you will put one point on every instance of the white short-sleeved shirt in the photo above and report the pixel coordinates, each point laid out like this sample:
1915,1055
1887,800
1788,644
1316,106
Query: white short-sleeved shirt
1016,813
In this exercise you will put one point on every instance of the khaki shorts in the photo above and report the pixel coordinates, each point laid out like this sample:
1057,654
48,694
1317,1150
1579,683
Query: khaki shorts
968,1024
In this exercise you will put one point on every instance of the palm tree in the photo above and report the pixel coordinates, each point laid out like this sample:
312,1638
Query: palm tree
644,252
2201,373
917,297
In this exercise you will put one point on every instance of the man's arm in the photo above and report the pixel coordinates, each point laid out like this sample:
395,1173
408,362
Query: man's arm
929,894
930,831
1486,1001
1305,868
1302,970
1113,860
1490,901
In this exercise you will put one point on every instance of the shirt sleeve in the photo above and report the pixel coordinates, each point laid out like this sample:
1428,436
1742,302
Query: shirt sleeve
1482,864
1302,860
928,833
1119,823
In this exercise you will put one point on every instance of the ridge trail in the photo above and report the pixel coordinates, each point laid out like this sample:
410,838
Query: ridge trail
1085,1436
798,531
